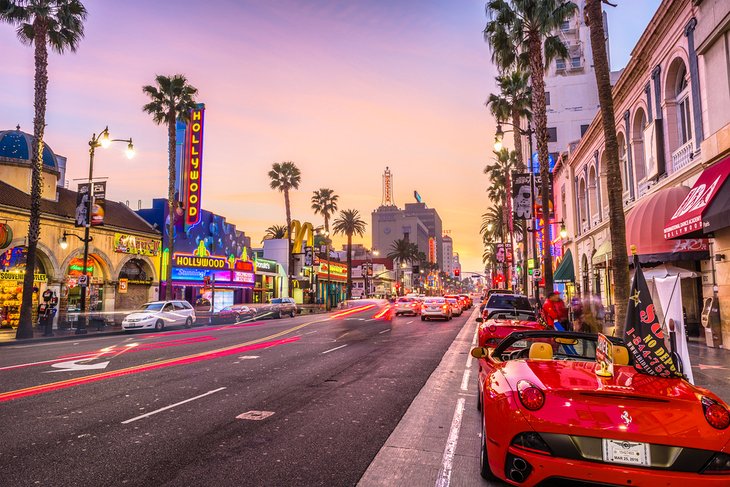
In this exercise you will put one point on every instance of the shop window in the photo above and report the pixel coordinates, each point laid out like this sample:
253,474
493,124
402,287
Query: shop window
552,134
584,129
12,272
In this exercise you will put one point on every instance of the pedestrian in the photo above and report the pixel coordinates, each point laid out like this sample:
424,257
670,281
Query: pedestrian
554,310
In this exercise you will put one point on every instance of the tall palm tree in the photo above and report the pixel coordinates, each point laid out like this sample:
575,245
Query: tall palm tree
349,223
522,33
513,103
171,100
58,24
617,224
403,251
275,232
286,176
324,202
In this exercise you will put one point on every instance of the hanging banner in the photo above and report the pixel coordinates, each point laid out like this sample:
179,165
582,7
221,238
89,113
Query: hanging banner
644,336
432,250
98,204
669,291
193,166
522,196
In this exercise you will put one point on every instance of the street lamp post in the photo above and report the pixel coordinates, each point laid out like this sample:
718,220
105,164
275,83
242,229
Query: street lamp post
102,140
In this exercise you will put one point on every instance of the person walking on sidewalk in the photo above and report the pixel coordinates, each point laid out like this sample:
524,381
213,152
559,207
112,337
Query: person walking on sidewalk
555,311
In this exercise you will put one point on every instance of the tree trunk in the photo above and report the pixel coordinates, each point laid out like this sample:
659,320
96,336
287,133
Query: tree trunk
171,203
349,266
617,223
290,256
25,324
540,117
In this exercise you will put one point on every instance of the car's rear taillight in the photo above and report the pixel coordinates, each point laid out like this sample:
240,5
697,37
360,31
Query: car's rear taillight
715,413
492,328
445,307
531,441
719,464
530,396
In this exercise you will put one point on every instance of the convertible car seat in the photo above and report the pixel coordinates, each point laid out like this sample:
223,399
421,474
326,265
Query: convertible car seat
620,355
541,351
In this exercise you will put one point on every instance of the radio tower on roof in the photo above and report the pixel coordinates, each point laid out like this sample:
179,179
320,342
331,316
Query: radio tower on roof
387,188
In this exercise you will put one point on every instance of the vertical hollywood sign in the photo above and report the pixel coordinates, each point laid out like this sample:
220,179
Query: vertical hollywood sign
194,166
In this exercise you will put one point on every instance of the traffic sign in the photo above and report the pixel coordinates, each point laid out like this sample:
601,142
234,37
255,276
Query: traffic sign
537,274
83,280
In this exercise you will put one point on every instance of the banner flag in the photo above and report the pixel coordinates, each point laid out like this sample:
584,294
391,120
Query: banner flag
644,336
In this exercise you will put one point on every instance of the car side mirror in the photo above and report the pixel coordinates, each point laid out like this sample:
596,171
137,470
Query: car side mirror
479,352
480,319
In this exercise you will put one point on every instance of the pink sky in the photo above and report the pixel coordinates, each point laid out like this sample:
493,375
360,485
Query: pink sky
343,89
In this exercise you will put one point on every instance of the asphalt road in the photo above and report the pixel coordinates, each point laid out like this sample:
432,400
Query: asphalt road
326,391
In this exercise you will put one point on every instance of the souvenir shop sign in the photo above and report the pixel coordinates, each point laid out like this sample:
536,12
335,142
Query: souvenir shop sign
131,244
194,261
19,276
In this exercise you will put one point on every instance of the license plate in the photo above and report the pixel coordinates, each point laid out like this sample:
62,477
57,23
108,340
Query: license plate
626,452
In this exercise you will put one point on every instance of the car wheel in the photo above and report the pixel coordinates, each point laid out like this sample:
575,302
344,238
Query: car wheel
292,314
189,322
485,471
278,316
160,325
423,318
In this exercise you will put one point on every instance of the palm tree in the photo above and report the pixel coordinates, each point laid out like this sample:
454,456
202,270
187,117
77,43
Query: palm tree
275,232
403,251
513,103
172,99
324,202
617,224
349,223
285,176
522,34
58,24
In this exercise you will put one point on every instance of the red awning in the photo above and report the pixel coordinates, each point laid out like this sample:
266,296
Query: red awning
644,225
687,219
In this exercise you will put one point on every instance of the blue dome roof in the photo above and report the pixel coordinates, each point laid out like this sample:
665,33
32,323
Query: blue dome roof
15,144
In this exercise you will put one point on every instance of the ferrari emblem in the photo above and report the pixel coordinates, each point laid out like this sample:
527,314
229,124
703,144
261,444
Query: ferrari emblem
626,417
635,298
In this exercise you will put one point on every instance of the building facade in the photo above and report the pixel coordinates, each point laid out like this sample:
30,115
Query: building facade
447,251
390,223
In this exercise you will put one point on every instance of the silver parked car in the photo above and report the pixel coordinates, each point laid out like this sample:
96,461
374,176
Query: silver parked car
279,307
436,308
158,315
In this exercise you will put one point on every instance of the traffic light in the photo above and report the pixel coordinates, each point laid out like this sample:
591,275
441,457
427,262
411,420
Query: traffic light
457,272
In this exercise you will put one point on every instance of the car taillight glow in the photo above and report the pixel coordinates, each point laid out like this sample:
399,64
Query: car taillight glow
715,413
720,463
530,396
445,307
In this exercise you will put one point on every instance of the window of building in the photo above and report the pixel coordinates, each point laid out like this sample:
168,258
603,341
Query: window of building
583,129
552,134
565,25
547,98
575,62
560,64
684,110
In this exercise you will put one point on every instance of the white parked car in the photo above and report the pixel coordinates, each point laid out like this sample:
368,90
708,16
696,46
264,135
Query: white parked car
407,305
455,306
158,315
435,308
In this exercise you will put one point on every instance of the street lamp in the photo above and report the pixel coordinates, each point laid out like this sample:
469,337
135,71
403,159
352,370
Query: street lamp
563,230
103,140
498,136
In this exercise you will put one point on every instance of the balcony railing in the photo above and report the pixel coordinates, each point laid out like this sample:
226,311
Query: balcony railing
682,157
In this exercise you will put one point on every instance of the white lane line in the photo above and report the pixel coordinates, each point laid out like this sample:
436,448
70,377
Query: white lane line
77,357
249,357
172,405
465,380
333,349
409,322
447,463
384,331
311,332
468,360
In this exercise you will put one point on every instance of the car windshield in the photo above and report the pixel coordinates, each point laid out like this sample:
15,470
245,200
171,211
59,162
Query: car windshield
434,301
561,345
511,314
452,300
151,307
276,301
404,300
508,301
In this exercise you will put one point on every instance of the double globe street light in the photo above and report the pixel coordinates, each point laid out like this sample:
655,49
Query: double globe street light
102,140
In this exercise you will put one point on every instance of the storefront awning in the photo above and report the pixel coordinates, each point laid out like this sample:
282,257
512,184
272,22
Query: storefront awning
645,229
565,271
602,253
705,207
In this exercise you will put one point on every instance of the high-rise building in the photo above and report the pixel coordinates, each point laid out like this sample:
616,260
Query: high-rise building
431,219
570,87
448,255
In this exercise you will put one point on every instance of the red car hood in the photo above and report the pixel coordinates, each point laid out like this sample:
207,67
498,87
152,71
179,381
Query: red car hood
629,405
499,329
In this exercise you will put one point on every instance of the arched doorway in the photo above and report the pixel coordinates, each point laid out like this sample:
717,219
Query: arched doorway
133,289
70,301
13,262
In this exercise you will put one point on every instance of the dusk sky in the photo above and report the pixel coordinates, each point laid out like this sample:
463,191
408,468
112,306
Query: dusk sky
342,88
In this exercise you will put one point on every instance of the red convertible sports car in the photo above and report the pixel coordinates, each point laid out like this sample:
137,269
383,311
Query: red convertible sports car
500,323
547,415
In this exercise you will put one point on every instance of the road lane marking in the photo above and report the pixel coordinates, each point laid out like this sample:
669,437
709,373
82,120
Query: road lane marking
221,352
333,349
384,331
447,462
255,415
465,380
146,415
76,365
311,332
409,322
248,357
468,360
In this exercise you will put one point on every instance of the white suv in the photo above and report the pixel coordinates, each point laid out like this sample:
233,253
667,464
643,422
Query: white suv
158,315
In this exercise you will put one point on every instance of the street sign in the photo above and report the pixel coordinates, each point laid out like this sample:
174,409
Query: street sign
537,274
83,280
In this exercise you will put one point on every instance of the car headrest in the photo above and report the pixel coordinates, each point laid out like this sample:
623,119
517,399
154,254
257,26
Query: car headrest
541,351
620,355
